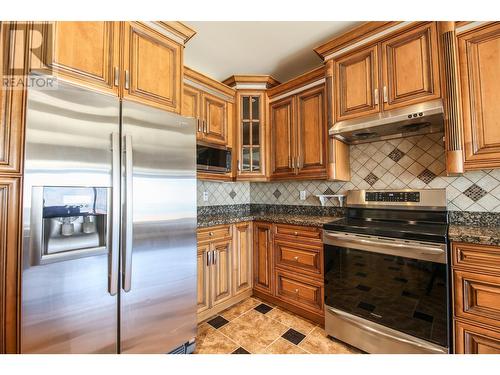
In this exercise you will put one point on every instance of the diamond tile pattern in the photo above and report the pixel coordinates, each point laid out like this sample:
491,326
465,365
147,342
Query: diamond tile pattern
232,194
475,192
277,193
396,154
426,176
371,179
414,162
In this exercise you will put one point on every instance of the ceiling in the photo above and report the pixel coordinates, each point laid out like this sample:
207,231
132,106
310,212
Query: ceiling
283,49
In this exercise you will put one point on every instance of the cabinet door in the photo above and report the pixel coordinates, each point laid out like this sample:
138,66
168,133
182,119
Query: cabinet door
471,339
191,107
10,261
12,100
251,145
410,67
262,257
221,271
282,115
86,53
311,133
356,86
242,257
214,120
479,56
153,68
203,278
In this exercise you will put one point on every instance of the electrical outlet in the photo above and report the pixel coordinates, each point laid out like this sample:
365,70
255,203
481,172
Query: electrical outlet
205,196
303,195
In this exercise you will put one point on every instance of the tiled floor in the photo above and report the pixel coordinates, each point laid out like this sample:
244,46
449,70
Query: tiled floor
253,326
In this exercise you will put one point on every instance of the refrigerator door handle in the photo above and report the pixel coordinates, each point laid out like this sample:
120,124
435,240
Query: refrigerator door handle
115,212
128,219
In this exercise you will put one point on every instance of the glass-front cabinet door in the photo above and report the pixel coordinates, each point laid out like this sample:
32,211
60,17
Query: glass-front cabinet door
251,135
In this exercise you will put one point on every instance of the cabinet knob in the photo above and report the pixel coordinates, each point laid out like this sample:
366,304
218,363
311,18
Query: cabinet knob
296,259
296,291
295,233
210,234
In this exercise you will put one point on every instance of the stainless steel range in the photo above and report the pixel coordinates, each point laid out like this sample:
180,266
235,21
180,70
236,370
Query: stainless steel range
386,273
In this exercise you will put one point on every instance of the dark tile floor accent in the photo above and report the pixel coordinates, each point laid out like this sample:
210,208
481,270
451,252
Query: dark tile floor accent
361,274
295,337
401,279
408,294
240,350
218,322
263,308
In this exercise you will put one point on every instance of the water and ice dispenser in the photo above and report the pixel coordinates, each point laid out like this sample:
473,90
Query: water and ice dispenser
69,222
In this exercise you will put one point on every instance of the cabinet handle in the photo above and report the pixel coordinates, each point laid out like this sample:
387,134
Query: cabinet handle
198,123
127,79
375,96
117,76
204,126
239,165
385,95
215,257
209,258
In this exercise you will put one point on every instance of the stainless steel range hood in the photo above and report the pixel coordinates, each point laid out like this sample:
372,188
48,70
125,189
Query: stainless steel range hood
421,118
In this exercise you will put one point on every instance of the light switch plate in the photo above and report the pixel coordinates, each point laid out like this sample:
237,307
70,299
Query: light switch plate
205,196
303,195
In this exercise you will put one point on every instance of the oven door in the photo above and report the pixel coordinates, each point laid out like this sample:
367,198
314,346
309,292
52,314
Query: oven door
400,286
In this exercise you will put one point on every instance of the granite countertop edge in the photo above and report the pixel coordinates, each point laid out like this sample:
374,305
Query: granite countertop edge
305,220
474,234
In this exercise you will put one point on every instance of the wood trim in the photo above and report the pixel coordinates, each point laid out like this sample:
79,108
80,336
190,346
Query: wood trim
13,105
179,28
209,82
10,264
297,82
266,80
339,167
206,176
351,36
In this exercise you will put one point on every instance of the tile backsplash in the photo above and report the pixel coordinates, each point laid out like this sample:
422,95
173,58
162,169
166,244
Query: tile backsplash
413,162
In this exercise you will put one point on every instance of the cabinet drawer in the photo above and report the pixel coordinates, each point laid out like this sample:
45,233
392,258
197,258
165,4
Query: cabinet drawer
477,297
471,339
476,257
297,232
299,290
299,257
214,233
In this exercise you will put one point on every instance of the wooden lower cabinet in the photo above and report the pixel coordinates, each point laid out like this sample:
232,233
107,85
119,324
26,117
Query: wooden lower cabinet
476,298
10,264
223,278
203,277
263,257
242,258
299,290
472,339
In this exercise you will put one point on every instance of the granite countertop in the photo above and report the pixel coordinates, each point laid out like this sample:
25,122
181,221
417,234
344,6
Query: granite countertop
475,234
282,218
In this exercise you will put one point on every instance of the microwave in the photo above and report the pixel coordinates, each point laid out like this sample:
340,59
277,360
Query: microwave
213,159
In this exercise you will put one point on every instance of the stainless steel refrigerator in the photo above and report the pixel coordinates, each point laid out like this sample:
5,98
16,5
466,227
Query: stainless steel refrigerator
109,221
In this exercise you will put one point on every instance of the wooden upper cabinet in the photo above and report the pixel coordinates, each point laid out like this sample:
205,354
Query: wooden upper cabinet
152,68
85,53
214,119
263,257
479,59
191,107
410,67
12,100
311,132
282,138
356,84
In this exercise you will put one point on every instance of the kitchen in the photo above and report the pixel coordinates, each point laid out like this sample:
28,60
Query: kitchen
158,202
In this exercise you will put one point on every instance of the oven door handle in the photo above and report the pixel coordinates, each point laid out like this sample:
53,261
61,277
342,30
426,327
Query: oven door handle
409,250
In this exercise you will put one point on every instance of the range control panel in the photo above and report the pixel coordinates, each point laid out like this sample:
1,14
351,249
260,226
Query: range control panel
387,196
